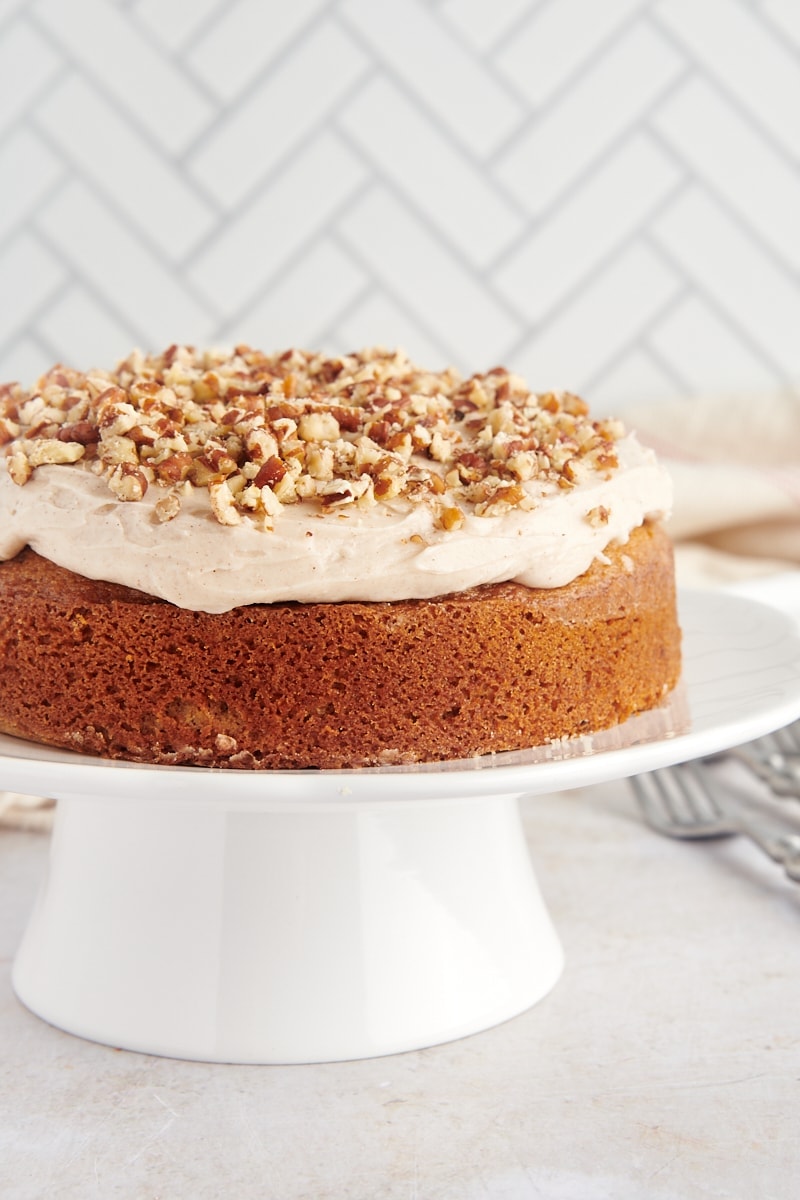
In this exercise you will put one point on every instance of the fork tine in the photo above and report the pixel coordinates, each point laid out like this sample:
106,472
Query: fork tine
774,758
677,800
705,802
676,794
693,801
668,796
787,740
767,745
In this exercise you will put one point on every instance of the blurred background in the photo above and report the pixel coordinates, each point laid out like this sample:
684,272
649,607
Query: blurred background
604,197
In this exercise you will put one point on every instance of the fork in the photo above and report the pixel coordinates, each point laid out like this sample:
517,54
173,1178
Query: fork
681,802
775,758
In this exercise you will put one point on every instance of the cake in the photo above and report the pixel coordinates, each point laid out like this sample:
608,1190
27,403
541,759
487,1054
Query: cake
235,559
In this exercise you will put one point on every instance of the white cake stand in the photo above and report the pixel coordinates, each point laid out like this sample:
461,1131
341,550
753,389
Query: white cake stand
286,917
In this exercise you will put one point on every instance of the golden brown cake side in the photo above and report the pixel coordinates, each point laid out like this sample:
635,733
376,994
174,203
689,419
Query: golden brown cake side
103,669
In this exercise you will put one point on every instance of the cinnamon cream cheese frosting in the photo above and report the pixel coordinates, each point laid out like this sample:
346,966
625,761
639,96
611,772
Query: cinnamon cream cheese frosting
219,479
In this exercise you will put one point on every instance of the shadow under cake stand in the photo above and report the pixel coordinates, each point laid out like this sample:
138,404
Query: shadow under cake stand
309,916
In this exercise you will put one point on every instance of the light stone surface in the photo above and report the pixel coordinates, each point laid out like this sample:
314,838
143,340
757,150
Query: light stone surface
664,1064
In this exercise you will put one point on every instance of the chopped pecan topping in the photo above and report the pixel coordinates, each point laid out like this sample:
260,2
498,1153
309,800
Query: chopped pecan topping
43,451
598,516
263,431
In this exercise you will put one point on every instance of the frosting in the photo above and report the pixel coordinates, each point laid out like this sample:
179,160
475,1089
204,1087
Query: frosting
389,551
220,478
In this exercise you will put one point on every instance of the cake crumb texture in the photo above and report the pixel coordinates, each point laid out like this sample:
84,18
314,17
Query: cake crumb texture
106,670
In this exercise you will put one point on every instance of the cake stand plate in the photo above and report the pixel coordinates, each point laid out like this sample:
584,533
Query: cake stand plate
308,916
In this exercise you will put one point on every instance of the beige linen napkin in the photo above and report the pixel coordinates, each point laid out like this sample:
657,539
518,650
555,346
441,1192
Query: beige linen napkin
735,463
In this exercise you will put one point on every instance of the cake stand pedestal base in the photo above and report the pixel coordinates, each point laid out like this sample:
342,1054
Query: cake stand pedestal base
269,932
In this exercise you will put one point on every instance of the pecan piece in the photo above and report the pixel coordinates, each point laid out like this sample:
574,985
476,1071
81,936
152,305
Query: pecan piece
79,431
127,482
272,472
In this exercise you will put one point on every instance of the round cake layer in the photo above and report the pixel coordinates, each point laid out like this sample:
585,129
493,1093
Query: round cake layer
107,670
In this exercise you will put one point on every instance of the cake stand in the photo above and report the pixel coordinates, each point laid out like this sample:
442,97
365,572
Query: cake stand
308,916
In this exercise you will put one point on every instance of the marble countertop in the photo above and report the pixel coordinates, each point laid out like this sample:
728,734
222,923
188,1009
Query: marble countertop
665,1063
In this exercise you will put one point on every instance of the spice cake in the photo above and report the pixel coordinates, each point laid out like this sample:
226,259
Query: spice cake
289,561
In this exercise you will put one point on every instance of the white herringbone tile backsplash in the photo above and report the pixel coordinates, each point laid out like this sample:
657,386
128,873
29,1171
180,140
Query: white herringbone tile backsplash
602,194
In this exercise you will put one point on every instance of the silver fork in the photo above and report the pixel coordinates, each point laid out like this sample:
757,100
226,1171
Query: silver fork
681,802
775,758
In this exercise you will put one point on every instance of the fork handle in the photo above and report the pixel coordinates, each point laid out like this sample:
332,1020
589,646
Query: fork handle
782,848
783,782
